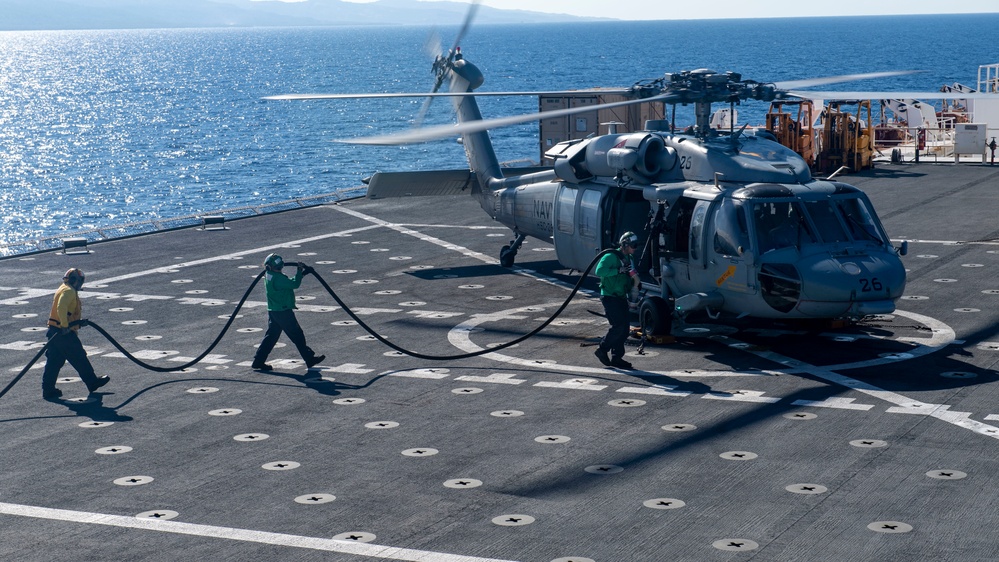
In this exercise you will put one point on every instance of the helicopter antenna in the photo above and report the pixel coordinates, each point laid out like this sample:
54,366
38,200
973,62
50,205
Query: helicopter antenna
734,138
837,172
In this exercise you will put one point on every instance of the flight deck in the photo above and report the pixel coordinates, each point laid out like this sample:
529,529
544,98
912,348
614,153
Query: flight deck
877,441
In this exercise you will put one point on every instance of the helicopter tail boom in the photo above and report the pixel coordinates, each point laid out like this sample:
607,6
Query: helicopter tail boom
465,77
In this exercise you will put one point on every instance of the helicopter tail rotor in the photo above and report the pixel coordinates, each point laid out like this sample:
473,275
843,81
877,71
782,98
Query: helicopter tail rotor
444,62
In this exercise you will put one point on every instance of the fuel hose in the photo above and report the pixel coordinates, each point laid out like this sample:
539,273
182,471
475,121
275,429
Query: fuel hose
339,301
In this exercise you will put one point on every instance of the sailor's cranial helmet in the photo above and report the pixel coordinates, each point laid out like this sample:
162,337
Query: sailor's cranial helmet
274,261
74,278
629,239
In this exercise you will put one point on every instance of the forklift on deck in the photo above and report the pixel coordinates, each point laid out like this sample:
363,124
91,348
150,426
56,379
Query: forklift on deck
794,129
846,138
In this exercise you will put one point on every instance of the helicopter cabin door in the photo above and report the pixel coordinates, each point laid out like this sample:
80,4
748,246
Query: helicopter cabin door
727,245
705,240
578,223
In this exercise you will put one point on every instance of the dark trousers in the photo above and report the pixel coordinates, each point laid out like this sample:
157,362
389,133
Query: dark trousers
62,348
282,321
616,309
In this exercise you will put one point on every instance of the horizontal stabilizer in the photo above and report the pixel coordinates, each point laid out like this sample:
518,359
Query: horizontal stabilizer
421,183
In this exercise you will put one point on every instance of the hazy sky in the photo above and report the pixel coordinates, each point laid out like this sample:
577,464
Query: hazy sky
673,9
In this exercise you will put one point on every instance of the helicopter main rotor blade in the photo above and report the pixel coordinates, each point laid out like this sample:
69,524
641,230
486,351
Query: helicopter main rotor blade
466,25
810,95
433,46
442,131
440,94
810,82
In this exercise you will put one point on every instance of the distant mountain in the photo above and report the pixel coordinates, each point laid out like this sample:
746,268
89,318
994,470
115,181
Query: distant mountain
149,14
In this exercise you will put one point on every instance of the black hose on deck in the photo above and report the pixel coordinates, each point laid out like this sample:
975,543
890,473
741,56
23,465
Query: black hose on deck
26,367
131,357
310,271
418,355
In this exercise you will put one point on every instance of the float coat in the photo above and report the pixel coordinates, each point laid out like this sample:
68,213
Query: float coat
66,308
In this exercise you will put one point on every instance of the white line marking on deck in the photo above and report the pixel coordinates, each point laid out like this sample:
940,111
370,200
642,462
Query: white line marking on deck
656,389
903,404
460,337
950,242
348,368
925,409
213,259
573,384
27,294
21,345
244,535
741,396
211,359
450,246
436,374
495,378
838,403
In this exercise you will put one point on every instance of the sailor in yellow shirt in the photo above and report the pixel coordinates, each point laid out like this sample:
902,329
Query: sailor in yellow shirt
64,343
281,314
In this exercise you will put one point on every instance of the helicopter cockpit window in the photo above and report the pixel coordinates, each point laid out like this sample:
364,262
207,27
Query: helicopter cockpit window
566,209
696,228
825,219
731,233
860,220
780,224
589,212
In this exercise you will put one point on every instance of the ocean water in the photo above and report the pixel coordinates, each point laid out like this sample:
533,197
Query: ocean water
99,128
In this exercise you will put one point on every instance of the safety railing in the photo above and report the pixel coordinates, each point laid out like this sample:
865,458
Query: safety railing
128,230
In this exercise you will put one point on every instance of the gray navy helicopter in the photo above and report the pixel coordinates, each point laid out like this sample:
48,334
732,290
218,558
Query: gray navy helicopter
731,223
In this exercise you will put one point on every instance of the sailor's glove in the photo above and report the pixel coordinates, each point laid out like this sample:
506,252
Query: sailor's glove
634,298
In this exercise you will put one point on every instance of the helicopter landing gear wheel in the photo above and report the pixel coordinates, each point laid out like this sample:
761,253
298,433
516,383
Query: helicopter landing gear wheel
507,256
509,252
655,316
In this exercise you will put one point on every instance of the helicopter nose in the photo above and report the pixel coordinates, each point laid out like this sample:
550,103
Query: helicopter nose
857,285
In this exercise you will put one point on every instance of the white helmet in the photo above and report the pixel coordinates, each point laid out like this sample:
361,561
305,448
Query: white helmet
629,239
274,261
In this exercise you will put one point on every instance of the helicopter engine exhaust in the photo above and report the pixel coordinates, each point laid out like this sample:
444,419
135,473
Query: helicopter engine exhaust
640,156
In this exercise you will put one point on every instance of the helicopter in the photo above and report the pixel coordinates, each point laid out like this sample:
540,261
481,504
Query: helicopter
732,223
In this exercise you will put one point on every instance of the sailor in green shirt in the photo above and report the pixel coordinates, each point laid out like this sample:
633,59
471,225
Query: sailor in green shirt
618,277
281,314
